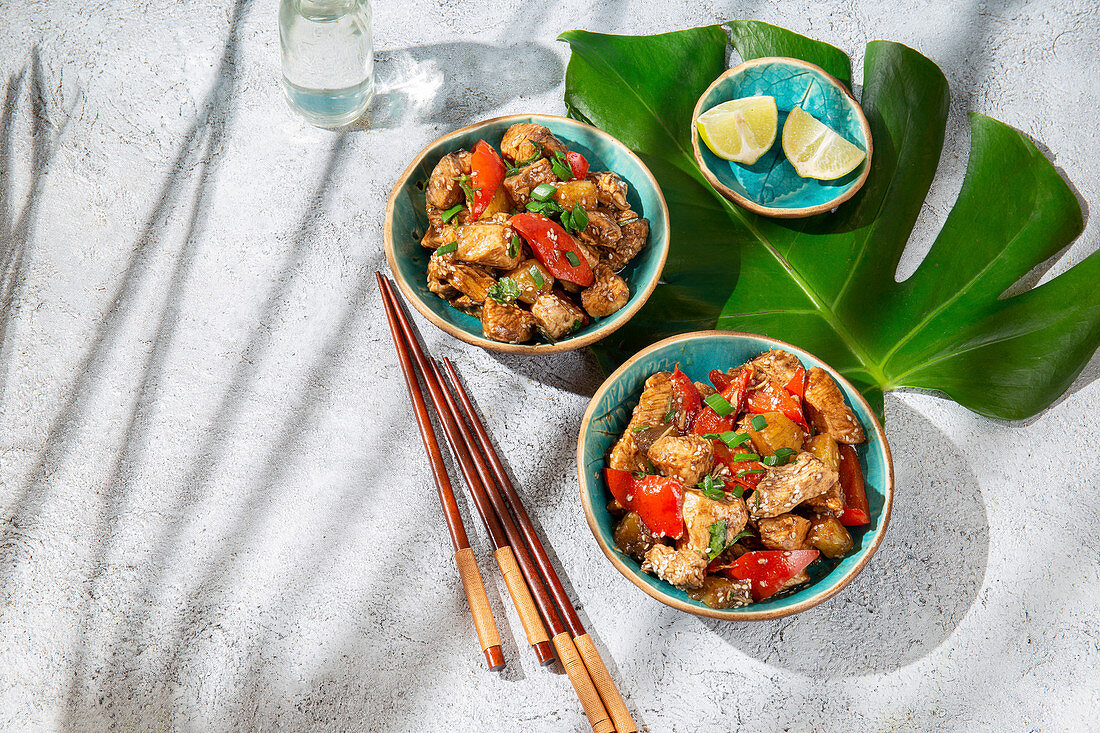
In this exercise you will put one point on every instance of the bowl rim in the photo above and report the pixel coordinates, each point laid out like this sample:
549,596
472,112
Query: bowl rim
771,211
739,614
638,298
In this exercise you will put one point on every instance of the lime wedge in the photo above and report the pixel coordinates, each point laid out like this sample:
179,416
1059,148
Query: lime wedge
817,151
740,130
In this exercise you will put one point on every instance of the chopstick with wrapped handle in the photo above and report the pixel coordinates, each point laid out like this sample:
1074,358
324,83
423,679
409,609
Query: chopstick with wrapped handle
609,693
486,628
579,677
505,557
579,674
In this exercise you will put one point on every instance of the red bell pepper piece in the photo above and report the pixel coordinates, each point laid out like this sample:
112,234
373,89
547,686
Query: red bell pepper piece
659,500
797,384
551,243
720,380
852,488
707,422
725,455
686,400
736,391
768,570
578,163
486,174
769,397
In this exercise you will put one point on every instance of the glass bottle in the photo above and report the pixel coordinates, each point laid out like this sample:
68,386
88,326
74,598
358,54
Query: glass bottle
328,59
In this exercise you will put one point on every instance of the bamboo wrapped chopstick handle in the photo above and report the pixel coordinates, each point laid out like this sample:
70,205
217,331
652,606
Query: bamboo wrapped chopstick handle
486,628
601,678
521,598
586,691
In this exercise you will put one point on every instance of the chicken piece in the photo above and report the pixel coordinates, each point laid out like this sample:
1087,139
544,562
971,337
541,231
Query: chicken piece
785,532
525,139
443,190
438,235
802,577
602,231
447,277
520,186
827,411
705,390
686,457
529,287
589,254
576,192
686,566
682,569
440,268
557,316
634,236
649,412
466,304
605,296
776,365
625,216
488,243
610,190
506,322
700,513
785,487
833,500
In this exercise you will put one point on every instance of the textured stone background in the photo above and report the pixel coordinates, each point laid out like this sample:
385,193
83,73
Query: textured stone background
214,513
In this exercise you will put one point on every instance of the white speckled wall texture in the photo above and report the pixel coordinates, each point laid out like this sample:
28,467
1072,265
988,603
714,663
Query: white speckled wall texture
214,512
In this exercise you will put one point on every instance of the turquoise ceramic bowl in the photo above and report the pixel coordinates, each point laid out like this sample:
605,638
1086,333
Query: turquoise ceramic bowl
697,353
406,221
770,186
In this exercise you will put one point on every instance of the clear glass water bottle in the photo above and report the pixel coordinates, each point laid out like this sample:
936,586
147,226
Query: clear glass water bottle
328,59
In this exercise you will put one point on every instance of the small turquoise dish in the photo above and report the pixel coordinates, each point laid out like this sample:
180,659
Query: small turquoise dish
697,353
770,187
406,222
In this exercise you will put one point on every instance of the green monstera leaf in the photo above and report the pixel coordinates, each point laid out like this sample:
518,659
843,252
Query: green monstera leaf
827,283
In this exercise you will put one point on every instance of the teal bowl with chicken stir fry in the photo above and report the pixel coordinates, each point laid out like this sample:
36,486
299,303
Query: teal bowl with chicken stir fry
734,476
527,233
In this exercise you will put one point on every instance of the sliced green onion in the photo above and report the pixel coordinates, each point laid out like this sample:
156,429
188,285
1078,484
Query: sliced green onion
742,457
750,470
639,429
719,404
717,539
759,422
737,490
567,221
544,192
784,452
445,249
451,213
733,439
537,277
576,326
513,248
712,436
573,260
561,166
580,218
770,460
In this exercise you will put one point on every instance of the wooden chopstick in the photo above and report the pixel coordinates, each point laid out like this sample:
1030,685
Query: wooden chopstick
609,693
503,551
486,628
574,666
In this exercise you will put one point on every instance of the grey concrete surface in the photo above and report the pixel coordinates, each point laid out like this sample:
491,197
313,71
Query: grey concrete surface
214,514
